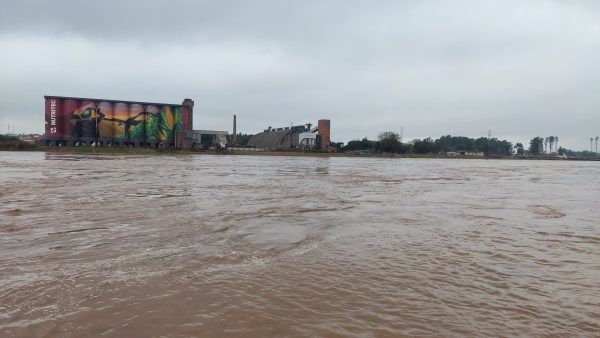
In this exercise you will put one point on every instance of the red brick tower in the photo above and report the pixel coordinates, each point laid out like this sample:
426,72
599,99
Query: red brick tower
188,114
325,134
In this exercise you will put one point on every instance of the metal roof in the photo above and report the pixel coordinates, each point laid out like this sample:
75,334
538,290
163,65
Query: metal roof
275,139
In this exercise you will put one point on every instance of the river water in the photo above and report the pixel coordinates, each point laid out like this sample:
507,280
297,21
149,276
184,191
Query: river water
253,246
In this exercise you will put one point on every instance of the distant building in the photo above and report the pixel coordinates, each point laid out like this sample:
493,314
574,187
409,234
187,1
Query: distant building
308,140
31,138
466,153
300,137
74,121
203,139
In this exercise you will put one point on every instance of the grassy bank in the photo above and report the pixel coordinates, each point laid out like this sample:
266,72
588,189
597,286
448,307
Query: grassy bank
12,145
112,150
149,151
317,154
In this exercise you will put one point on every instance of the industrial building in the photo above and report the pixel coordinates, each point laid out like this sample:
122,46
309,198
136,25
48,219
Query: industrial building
301,137
205,139
73,121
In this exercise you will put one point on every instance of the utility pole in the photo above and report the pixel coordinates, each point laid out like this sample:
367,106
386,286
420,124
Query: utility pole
401,134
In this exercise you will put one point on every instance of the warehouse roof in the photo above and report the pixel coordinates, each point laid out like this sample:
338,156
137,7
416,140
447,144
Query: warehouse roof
269,139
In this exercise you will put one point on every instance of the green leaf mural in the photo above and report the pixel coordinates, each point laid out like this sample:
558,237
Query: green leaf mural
170,121
137,127
152,124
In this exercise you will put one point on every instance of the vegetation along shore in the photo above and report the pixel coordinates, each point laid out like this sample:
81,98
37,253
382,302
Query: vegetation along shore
388,145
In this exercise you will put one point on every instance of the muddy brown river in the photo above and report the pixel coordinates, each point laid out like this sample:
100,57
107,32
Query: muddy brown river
252,246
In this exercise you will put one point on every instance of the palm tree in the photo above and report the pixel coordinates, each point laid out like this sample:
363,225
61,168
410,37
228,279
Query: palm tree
546,141
591,144
556,142
597,137
551,143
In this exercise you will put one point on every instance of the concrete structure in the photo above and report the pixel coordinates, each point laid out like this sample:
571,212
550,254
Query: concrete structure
308,141
300,137
278,139
101,122
324,128
74,121
202,139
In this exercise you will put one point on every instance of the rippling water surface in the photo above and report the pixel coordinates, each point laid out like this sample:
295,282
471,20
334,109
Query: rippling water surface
179,246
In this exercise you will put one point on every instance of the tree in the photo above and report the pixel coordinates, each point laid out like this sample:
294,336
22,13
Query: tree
576,154
363,144
338,146
551,141
591,144
454,143
520,149
562,151
536,145
425,146
389,142
597,137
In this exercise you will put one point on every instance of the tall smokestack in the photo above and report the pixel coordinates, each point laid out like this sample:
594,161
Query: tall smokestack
234,129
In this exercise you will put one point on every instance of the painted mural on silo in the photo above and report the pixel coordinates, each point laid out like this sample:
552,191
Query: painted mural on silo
170,121
105,112
135,127
119,121
53,116
69,107
84,121
74,119
152,122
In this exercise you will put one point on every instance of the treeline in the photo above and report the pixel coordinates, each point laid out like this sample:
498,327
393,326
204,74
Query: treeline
13,143
577,154
389,142
539,145
548,146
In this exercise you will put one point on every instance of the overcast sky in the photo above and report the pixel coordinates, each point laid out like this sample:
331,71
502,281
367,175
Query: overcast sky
521,68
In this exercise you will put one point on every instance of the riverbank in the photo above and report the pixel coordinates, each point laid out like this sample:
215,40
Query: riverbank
150,151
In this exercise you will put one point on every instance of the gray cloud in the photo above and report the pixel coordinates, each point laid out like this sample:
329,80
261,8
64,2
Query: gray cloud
521,68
